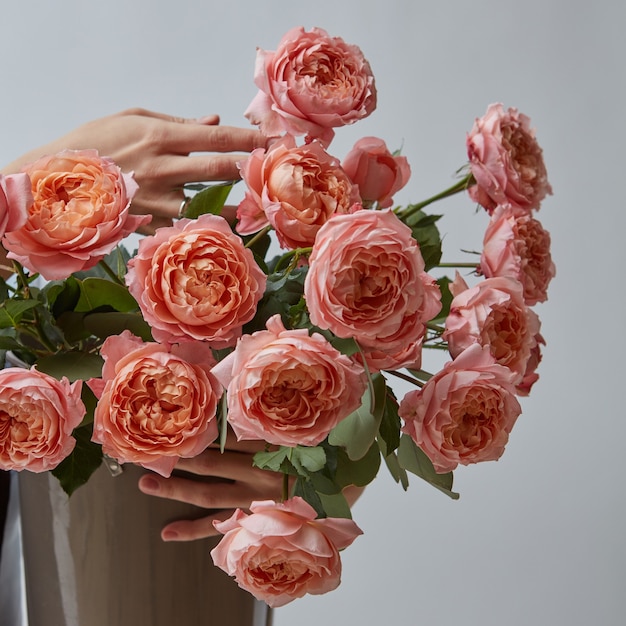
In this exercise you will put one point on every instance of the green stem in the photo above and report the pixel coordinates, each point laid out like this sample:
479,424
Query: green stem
461,185
285,494
258,236
468,265
435,327
110,273
297,253
406,377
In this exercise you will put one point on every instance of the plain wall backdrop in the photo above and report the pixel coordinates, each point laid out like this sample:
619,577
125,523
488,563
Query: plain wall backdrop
538,537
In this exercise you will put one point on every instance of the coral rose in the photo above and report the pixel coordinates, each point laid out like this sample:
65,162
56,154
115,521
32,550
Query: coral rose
37,416
296,189
15,200
196,281
156,403
288,387
464,413
280,552
311,84
517,245
530,375
492,314
378,173
506,161
79,214
366,280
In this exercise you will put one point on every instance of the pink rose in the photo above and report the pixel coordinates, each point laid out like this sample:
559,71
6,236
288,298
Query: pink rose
516,245
296,189
37,416
311,84
378,173
288,387
366,280
506,161
196,281
281,552
15,200
79,214
156,403
464,413
530,375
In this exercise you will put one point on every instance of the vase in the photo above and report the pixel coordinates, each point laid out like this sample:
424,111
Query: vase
97,559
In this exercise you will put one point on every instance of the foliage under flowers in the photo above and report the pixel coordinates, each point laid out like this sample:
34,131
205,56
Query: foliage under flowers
302,345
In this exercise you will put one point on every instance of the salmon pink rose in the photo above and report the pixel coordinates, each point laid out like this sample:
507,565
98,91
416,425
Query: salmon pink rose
79,214
530,375
464,413
281,552
506,161
493,314
288,387
37,416
366,280
311,84
196,281
517,245
156,403
15,200
378,173
296,189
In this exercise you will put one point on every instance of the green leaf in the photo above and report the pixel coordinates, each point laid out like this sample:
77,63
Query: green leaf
446,299
85,459
209,200
307,460
413,459
271,460
72,365
12,311
100,292
335,505
426,233
360,472
356,432
390,424
110,323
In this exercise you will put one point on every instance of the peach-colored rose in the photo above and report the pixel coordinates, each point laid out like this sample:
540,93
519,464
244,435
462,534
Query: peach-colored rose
311,84
288,387
281,552
37,416
530,375
517,245
378,173
15,200
156,403
196,281
464,413
79,214
492,313
295,189
506,161
366,280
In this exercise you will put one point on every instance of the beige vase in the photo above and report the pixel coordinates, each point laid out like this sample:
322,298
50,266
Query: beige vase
96,559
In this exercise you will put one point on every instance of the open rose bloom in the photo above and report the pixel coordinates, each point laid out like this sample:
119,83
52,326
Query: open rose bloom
156,403
281,552
506,161
80,212
311,84
287,387
37,416
464,413
294,188
366,281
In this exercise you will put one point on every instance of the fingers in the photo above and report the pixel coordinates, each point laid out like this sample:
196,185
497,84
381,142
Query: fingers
186,138
189,530
228,465
208,120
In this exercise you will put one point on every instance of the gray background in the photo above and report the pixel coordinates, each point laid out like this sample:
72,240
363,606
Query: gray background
536,538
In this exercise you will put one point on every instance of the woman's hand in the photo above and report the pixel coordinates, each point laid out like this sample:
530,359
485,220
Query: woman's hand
157,148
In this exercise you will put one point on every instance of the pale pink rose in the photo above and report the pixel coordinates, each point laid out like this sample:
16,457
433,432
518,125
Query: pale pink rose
196,281
156,403
288,387
281,552
79,214
37,416
493,313
517,245
530,375
506,161
294,188
378,173
366,280
464,413
15,200
311,84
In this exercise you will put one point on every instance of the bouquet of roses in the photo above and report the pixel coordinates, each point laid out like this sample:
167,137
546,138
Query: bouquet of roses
152,357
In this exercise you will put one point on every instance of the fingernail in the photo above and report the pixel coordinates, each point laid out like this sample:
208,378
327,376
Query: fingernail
149,484
169,535
206,119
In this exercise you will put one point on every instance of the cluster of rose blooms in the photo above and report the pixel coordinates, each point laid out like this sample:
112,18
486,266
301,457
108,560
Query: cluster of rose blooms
197,284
